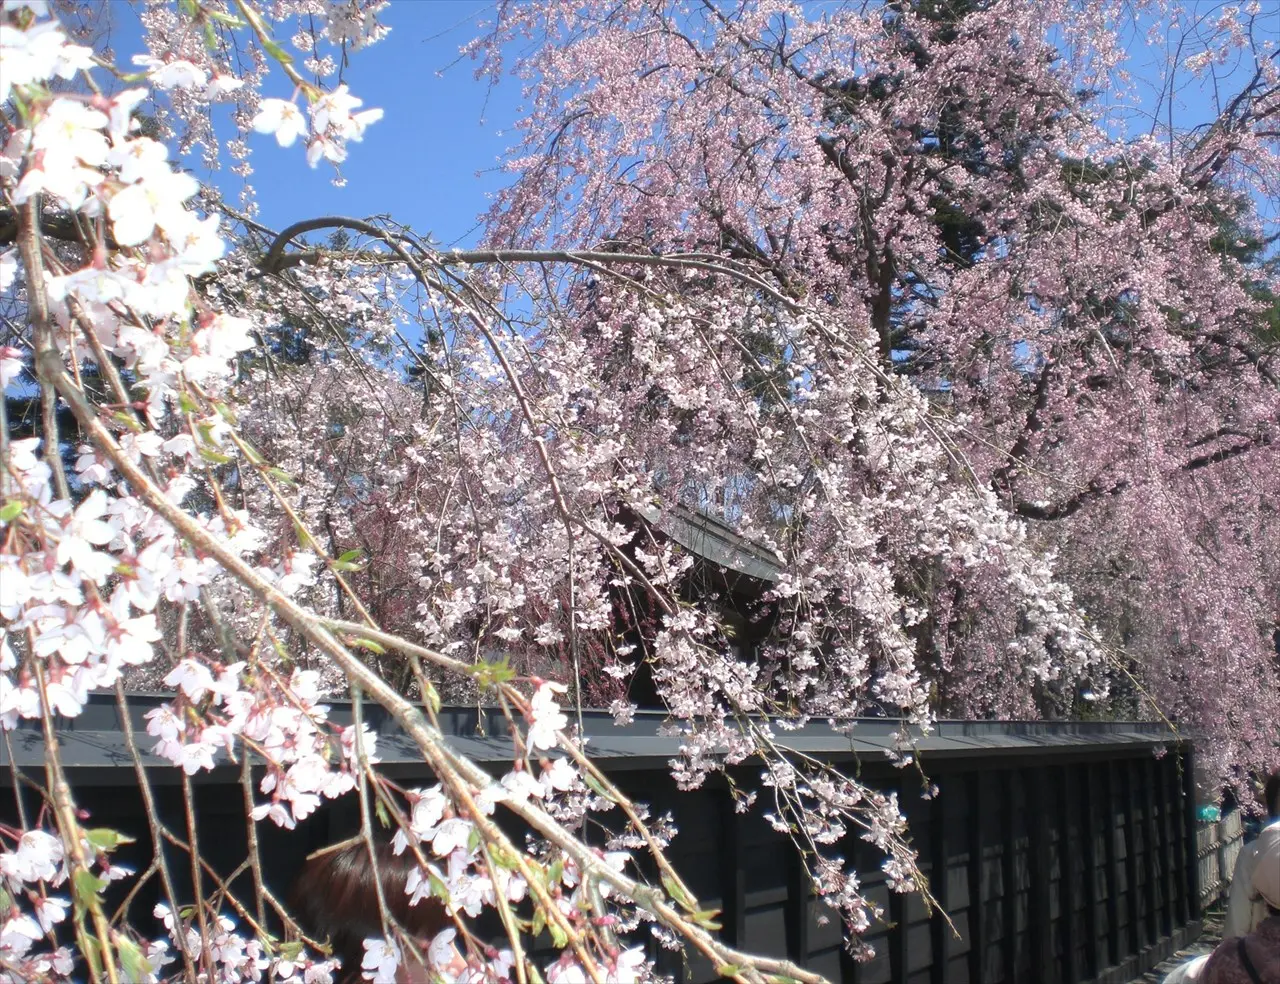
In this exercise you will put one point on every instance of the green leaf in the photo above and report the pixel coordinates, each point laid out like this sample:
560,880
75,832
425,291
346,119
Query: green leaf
85,887
558,936
187,404
291,951
369,644
92,955
127,421
432,697
280,475
105,839
305,540
380,809
539,921
706,918
502,858
215,457
277,52
729,970
134,963
595,786
352,560
676,892
489,674
11,510
226,20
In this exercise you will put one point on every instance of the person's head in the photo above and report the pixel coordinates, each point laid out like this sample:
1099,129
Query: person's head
1266,867
334,898
1271,795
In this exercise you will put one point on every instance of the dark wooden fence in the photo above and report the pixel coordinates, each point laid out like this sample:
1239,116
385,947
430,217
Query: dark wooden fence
1061,853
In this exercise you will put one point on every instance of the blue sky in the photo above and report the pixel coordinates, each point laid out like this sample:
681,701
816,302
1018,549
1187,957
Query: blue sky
432,161
420,162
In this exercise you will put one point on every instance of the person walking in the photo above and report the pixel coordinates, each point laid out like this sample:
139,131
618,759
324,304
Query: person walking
1255,957
1244,909
336,898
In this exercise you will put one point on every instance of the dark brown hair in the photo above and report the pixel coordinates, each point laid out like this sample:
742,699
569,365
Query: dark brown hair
334,899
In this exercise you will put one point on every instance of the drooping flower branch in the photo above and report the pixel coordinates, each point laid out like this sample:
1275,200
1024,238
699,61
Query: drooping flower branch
893,343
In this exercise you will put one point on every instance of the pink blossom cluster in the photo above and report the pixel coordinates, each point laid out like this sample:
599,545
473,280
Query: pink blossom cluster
234,956
1099,534
881,299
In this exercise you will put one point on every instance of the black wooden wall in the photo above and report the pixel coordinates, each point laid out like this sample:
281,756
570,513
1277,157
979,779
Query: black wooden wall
1057,869
1058,866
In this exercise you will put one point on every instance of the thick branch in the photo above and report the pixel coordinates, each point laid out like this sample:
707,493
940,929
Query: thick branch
276,258
1043,512
1229,452
58,224
1034,423
1098,489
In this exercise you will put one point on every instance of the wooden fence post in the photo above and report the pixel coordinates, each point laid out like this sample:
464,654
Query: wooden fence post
1189,834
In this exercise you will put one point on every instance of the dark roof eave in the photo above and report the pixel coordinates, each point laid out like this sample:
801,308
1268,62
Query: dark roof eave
95,741
709,538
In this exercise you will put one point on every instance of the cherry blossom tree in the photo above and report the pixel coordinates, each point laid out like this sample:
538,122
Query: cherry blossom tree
878,287
1089,305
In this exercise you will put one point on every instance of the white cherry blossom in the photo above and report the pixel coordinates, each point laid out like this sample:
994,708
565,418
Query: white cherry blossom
37,858
281,118
192,677
50,911
11,364
221,86
70,129
39,53
138,159
559,776
82,531
452,834
156,200
381,959
175,74
545,716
